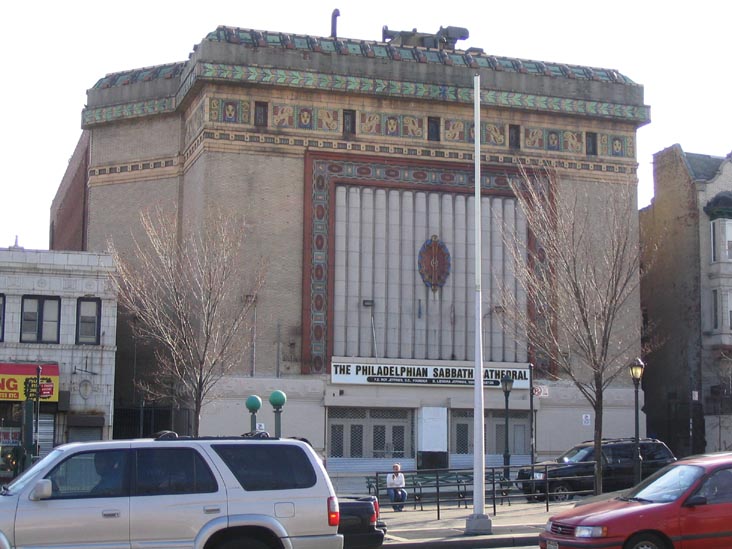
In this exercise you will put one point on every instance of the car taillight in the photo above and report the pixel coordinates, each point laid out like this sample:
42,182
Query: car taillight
373,517
334,512
376,509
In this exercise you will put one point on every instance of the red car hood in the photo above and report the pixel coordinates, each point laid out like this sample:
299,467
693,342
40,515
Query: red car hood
608,510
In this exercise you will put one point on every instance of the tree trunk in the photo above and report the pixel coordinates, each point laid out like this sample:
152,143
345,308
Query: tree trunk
196,416
598,436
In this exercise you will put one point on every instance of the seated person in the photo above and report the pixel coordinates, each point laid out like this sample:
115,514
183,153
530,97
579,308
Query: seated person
109,466
395,483
718,488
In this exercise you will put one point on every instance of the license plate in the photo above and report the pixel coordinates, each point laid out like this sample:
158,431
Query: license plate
552,544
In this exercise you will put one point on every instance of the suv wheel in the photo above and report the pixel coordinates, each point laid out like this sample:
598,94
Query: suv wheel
561,492
243,543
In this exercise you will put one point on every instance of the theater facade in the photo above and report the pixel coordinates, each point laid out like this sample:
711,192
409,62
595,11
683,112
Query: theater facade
353,161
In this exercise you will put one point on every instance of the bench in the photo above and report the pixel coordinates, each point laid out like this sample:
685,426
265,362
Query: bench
443,486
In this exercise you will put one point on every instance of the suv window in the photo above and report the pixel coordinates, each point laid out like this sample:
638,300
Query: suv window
102,473
655,452
268,466
577,455
164,471
619,453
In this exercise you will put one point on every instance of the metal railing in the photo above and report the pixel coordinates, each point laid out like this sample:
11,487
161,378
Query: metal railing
445,487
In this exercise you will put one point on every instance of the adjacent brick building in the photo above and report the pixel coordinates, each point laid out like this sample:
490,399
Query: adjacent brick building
687,299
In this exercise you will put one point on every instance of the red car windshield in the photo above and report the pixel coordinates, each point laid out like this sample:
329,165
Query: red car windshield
667,485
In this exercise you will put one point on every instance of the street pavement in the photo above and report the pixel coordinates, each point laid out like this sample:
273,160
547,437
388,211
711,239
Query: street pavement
514,525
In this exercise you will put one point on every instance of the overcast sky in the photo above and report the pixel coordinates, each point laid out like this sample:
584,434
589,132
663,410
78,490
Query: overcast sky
55,51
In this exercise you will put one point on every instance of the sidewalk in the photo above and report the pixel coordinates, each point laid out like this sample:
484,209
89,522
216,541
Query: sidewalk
515,525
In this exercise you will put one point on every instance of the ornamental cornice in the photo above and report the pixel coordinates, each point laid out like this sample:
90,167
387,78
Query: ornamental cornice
377,87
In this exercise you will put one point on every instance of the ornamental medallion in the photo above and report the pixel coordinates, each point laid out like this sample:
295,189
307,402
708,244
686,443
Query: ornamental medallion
434,263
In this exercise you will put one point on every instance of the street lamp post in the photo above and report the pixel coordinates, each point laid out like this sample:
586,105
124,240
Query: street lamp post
636,373
506,385
37,447
253,403
277,399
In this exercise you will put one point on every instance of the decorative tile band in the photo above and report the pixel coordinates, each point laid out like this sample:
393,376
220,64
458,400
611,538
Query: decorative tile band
128,110
363,85
405,126
507,157
306,118
411,90
232,111
393,151
131,167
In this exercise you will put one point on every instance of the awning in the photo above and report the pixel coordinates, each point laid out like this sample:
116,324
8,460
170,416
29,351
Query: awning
18,381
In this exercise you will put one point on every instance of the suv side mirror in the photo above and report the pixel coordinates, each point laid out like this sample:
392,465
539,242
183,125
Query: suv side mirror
42,490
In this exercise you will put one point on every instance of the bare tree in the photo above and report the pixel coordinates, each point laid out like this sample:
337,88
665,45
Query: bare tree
578,268
190,299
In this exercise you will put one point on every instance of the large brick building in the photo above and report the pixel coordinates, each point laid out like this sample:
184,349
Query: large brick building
353,160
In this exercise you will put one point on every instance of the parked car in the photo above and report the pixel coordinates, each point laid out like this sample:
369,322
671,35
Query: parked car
360,523
217,493
574,471
687,504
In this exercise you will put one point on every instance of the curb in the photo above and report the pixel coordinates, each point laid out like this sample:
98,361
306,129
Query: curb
469,542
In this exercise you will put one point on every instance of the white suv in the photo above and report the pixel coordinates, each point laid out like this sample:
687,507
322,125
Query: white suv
202,493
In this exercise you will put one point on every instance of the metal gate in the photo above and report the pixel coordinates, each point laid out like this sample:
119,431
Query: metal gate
84,434
46,432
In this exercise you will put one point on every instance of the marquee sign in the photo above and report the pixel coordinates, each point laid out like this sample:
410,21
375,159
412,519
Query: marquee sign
354,373
19,382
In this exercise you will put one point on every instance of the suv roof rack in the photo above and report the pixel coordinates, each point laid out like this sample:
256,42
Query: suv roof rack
172,435
165,435
256,434
622,439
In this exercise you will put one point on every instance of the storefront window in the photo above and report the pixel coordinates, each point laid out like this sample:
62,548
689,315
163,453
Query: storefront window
10,428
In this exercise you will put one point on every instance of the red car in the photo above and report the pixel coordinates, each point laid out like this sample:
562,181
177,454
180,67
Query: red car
685,505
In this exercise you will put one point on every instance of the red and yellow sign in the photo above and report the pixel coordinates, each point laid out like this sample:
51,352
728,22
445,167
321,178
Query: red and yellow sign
19,381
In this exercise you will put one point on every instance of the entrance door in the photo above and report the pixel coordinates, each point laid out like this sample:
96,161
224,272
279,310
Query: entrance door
370,433
389,441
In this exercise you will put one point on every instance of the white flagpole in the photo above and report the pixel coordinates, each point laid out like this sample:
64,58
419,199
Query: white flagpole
478,522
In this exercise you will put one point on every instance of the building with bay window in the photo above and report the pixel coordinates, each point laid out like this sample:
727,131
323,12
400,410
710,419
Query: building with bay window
58,317
353,161
687,301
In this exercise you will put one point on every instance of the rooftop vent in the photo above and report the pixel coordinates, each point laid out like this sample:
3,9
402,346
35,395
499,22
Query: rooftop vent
445,38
